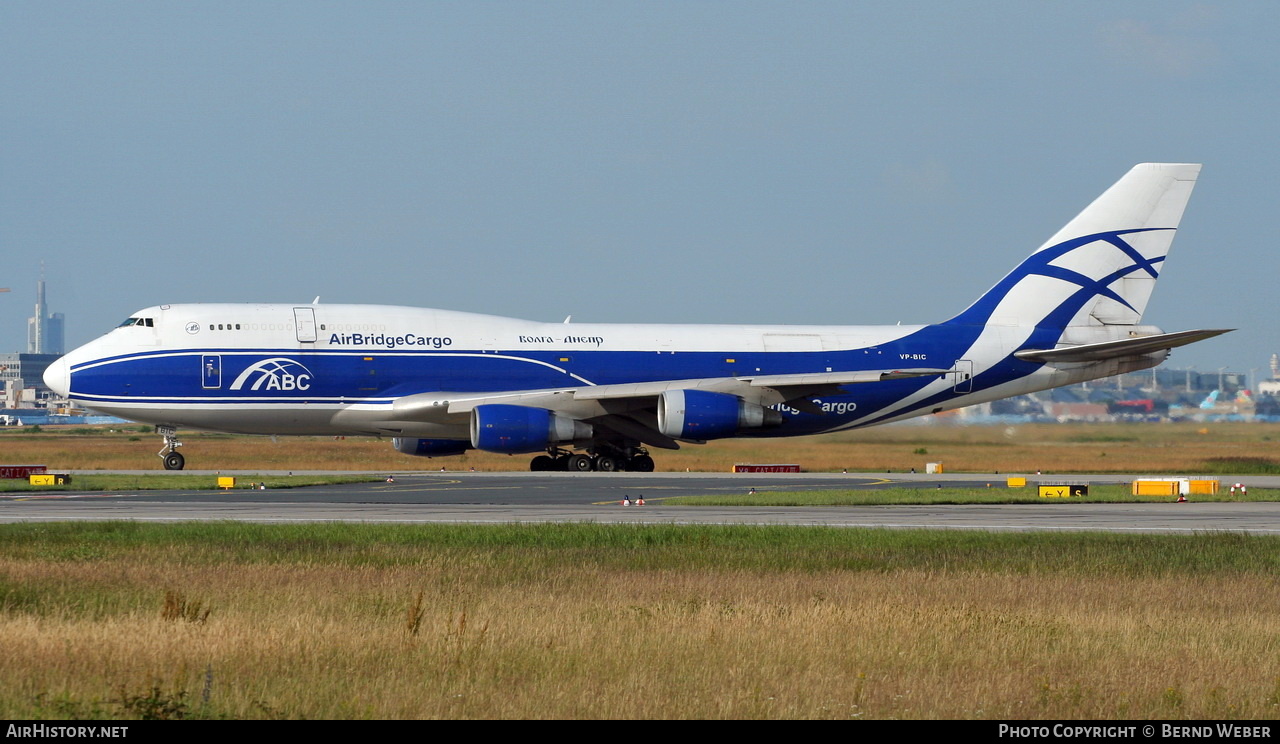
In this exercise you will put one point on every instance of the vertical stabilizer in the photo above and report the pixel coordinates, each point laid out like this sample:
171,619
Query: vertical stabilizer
1101,267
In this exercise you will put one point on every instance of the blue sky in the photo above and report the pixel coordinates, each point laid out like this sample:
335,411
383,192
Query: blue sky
753,162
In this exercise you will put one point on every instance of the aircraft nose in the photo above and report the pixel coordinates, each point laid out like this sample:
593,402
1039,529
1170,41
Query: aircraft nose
57,376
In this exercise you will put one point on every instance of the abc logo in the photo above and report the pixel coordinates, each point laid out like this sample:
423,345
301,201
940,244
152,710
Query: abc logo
279,373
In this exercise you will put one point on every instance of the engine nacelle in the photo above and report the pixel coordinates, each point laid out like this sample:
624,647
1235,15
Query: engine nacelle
701,414
512,429
430,447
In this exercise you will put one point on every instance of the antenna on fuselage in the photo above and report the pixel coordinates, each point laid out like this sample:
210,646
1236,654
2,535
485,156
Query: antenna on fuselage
568,318
316,301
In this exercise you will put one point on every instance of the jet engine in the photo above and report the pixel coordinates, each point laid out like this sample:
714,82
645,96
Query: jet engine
511,429
430,447
701,414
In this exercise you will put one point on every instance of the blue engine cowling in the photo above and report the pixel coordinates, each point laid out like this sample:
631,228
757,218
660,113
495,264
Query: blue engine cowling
701,414
513,429
430,447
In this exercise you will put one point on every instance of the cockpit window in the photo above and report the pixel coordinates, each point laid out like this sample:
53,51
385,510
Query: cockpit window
148,322
128,322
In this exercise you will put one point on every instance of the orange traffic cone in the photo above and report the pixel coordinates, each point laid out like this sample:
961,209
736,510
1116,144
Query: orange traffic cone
639,501
626,500
1181,498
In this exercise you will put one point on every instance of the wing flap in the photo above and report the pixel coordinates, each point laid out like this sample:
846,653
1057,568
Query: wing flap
840,378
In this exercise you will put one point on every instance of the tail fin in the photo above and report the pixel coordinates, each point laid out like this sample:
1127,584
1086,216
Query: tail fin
1100,269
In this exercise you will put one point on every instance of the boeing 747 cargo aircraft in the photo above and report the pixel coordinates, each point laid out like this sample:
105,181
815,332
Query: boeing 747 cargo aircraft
600,396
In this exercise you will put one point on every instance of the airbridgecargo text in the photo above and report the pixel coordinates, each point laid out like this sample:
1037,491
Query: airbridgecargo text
1166,731
43,731
839,407
391,342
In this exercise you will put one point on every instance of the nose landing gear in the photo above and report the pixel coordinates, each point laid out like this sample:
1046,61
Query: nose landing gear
173,460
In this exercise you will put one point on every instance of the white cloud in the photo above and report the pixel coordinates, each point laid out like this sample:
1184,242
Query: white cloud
1176,48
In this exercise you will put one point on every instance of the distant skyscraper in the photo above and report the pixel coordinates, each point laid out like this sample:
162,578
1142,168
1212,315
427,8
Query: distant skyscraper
44,329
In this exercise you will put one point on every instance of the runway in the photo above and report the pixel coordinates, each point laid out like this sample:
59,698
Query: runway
487,498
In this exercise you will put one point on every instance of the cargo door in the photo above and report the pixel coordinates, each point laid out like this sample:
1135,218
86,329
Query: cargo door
792,342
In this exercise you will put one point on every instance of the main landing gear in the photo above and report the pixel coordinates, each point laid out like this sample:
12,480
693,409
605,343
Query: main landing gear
173,460
601,459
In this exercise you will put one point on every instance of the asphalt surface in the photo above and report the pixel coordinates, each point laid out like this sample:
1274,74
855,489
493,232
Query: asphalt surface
597,497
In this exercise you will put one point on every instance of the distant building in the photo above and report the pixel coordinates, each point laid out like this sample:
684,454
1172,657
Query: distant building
45,330
1272,386
23,372
1063,412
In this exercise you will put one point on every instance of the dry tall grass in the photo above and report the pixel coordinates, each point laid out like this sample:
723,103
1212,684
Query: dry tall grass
457,636
1163,448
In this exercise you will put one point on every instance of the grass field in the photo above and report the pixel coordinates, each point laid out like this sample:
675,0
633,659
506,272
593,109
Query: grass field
341,621
1208,449
118,620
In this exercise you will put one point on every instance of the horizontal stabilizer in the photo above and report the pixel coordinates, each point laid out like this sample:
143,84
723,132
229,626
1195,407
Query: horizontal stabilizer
1122,348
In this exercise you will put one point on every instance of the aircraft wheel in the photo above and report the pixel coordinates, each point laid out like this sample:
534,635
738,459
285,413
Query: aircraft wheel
641,464
174,461
542,463
578,463
606,464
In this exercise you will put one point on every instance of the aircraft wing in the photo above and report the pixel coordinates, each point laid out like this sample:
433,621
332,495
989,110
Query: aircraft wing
629,409
1122,348
750,386
588,400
